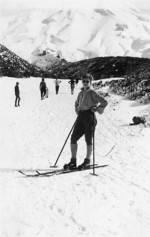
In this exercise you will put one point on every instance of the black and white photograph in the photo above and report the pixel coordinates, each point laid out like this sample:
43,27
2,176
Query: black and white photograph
74,118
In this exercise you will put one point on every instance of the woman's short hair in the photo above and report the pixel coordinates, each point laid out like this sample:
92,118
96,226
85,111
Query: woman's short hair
87,75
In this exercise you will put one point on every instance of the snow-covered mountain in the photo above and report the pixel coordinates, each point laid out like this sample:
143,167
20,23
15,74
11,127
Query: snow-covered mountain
104,30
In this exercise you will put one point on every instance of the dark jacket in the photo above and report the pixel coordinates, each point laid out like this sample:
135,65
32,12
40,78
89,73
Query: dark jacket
42,85
17,91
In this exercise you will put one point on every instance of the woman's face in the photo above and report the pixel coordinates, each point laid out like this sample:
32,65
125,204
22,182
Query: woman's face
86,82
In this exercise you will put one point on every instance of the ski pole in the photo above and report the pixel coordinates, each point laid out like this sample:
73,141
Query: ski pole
63,145
93,146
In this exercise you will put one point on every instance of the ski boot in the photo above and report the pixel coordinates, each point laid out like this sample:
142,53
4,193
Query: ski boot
84,165
71,165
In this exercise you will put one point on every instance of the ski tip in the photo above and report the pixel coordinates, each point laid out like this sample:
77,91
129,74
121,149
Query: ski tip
38,172
21,172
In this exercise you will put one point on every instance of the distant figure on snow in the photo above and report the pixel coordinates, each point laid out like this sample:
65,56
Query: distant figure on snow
17,94
88,102
57,82
43,88
72,83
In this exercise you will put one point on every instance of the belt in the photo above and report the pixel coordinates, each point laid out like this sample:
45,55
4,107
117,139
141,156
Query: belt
88,110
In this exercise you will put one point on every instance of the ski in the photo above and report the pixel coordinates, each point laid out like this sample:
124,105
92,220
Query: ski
59,171
77,170
39,173
63,171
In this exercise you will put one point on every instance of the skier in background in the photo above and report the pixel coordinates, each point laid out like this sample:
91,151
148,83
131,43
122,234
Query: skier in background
17,94
72,83
43,88
88,102
57,82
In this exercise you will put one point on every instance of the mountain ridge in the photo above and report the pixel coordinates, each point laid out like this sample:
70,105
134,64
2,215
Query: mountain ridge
74,35
100,67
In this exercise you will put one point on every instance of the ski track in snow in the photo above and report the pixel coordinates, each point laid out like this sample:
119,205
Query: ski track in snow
113,203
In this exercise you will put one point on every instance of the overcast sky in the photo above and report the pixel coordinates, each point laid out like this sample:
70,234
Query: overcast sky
27,4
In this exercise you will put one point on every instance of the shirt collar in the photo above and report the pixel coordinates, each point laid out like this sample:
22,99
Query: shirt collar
88,88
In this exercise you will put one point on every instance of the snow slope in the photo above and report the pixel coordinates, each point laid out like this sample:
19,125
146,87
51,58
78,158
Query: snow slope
114,203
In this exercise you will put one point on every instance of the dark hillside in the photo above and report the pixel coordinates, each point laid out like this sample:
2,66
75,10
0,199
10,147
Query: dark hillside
102,67
12,65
